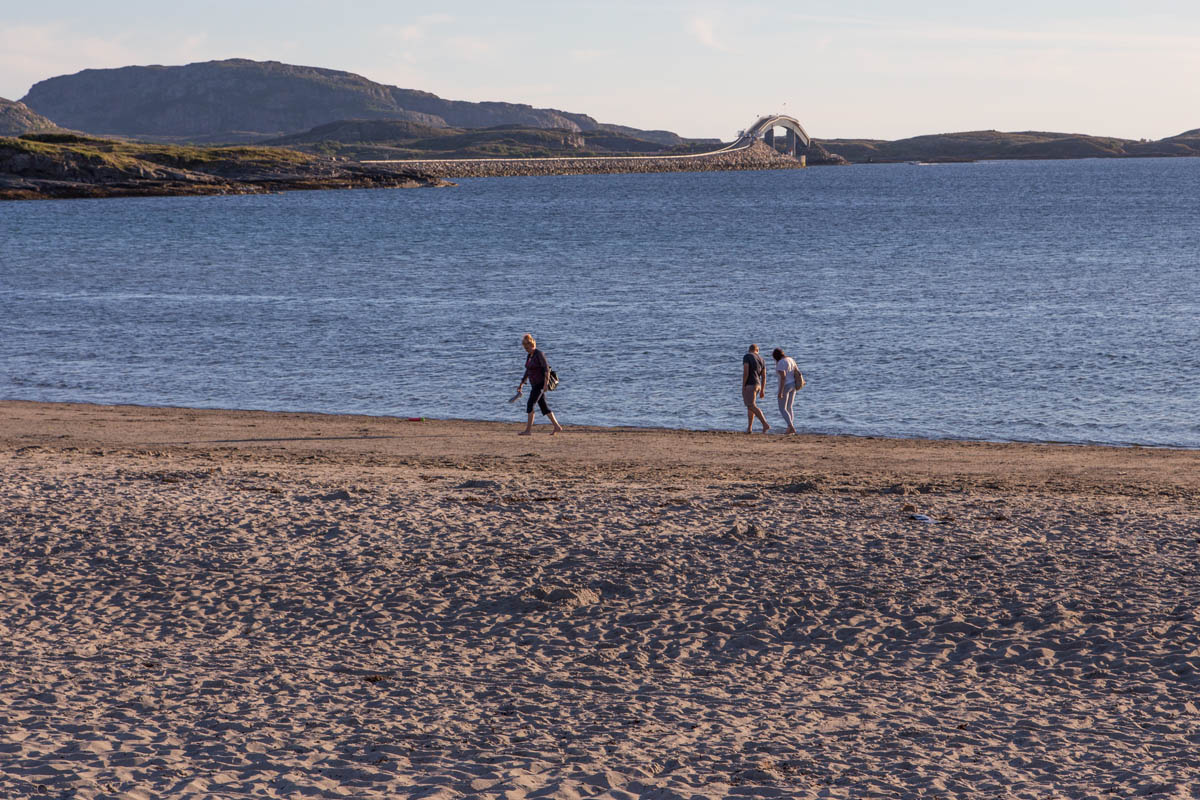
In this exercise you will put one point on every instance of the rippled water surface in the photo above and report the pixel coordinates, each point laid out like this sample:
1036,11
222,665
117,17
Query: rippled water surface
1008,300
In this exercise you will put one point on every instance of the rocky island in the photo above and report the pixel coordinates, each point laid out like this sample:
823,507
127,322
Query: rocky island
59,165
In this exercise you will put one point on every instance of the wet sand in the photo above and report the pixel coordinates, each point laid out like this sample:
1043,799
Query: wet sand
244,604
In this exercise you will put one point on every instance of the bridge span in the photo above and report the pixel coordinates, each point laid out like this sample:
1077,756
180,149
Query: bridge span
764,128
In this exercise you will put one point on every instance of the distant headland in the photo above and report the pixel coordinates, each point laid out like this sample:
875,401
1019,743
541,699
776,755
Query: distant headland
338,120
992,145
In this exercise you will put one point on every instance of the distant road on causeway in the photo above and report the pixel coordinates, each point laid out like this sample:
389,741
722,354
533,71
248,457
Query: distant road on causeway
747,152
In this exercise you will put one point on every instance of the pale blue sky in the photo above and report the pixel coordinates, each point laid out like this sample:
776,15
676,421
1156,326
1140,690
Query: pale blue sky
860,68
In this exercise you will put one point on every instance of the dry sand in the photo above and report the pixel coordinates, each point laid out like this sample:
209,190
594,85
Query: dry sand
241,604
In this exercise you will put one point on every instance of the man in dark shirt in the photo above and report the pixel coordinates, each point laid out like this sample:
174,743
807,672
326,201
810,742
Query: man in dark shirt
754,385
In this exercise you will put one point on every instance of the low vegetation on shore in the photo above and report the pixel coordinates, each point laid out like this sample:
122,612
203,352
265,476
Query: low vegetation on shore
42,165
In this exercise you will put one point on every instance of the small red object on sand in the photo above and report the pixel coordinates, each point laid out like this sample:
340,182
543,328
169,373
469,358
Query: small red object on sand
416,419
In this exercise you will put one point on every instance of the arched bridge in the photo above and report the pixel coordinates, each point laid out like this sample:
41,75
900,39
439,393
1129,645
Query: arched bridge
765,127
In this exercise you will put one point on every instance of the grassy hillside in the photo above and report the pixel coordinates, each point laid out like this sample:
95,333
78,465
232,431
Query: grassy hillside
139,158
382,139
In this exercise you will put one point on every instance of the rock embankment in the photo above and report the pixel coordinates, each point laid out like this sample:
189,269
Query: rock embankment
63,166
756,156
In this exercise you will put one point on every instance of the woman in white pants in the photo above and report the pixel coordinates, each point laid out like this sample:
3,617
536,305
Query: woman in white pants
789,382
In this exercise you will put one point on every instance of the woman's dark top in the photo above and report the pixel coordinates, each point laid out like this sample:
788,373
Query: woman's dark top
536,368
757,374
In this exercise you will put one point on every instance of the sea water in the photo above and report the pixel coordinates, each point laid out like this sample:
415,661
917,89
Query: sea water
1044,301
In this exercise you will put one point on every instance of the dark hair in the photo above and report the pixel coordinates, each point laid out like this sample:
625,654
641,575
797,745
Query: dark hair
778,354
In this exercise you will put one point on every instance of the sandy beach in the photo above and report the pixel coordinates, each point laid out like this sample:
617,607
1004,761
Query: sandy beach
211,604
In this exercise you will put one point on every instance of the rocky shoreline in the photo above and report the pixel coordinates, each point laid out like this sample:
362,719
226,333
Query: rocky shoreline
41,189
78,167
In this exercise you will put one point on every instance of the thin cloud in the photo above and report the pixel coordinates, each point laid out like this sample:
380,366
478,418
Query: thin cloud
32,53
704,31
1057,38
1075,35
471,48
589,56
419,30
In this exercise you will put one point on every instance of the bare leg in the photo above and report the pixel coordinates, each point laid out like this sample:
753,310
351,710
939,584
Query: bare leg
761,418
557,428
528,427
749,419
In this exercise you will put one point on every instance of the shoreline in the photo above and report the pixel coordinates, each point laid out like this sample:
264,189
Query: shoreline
628,428
348,436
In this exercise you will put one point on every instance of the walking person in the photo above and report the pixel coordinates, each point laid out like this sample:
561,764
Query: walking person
790,380
754,375
537,372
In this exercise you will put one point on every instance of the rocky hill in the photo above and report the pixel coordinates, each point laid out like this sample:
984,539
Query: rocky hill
1183,144
242,100
18,118
988,145
67,165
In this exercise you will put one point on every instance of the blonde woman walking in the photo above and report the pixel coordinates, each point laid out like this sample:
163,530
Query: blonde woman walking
537,372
